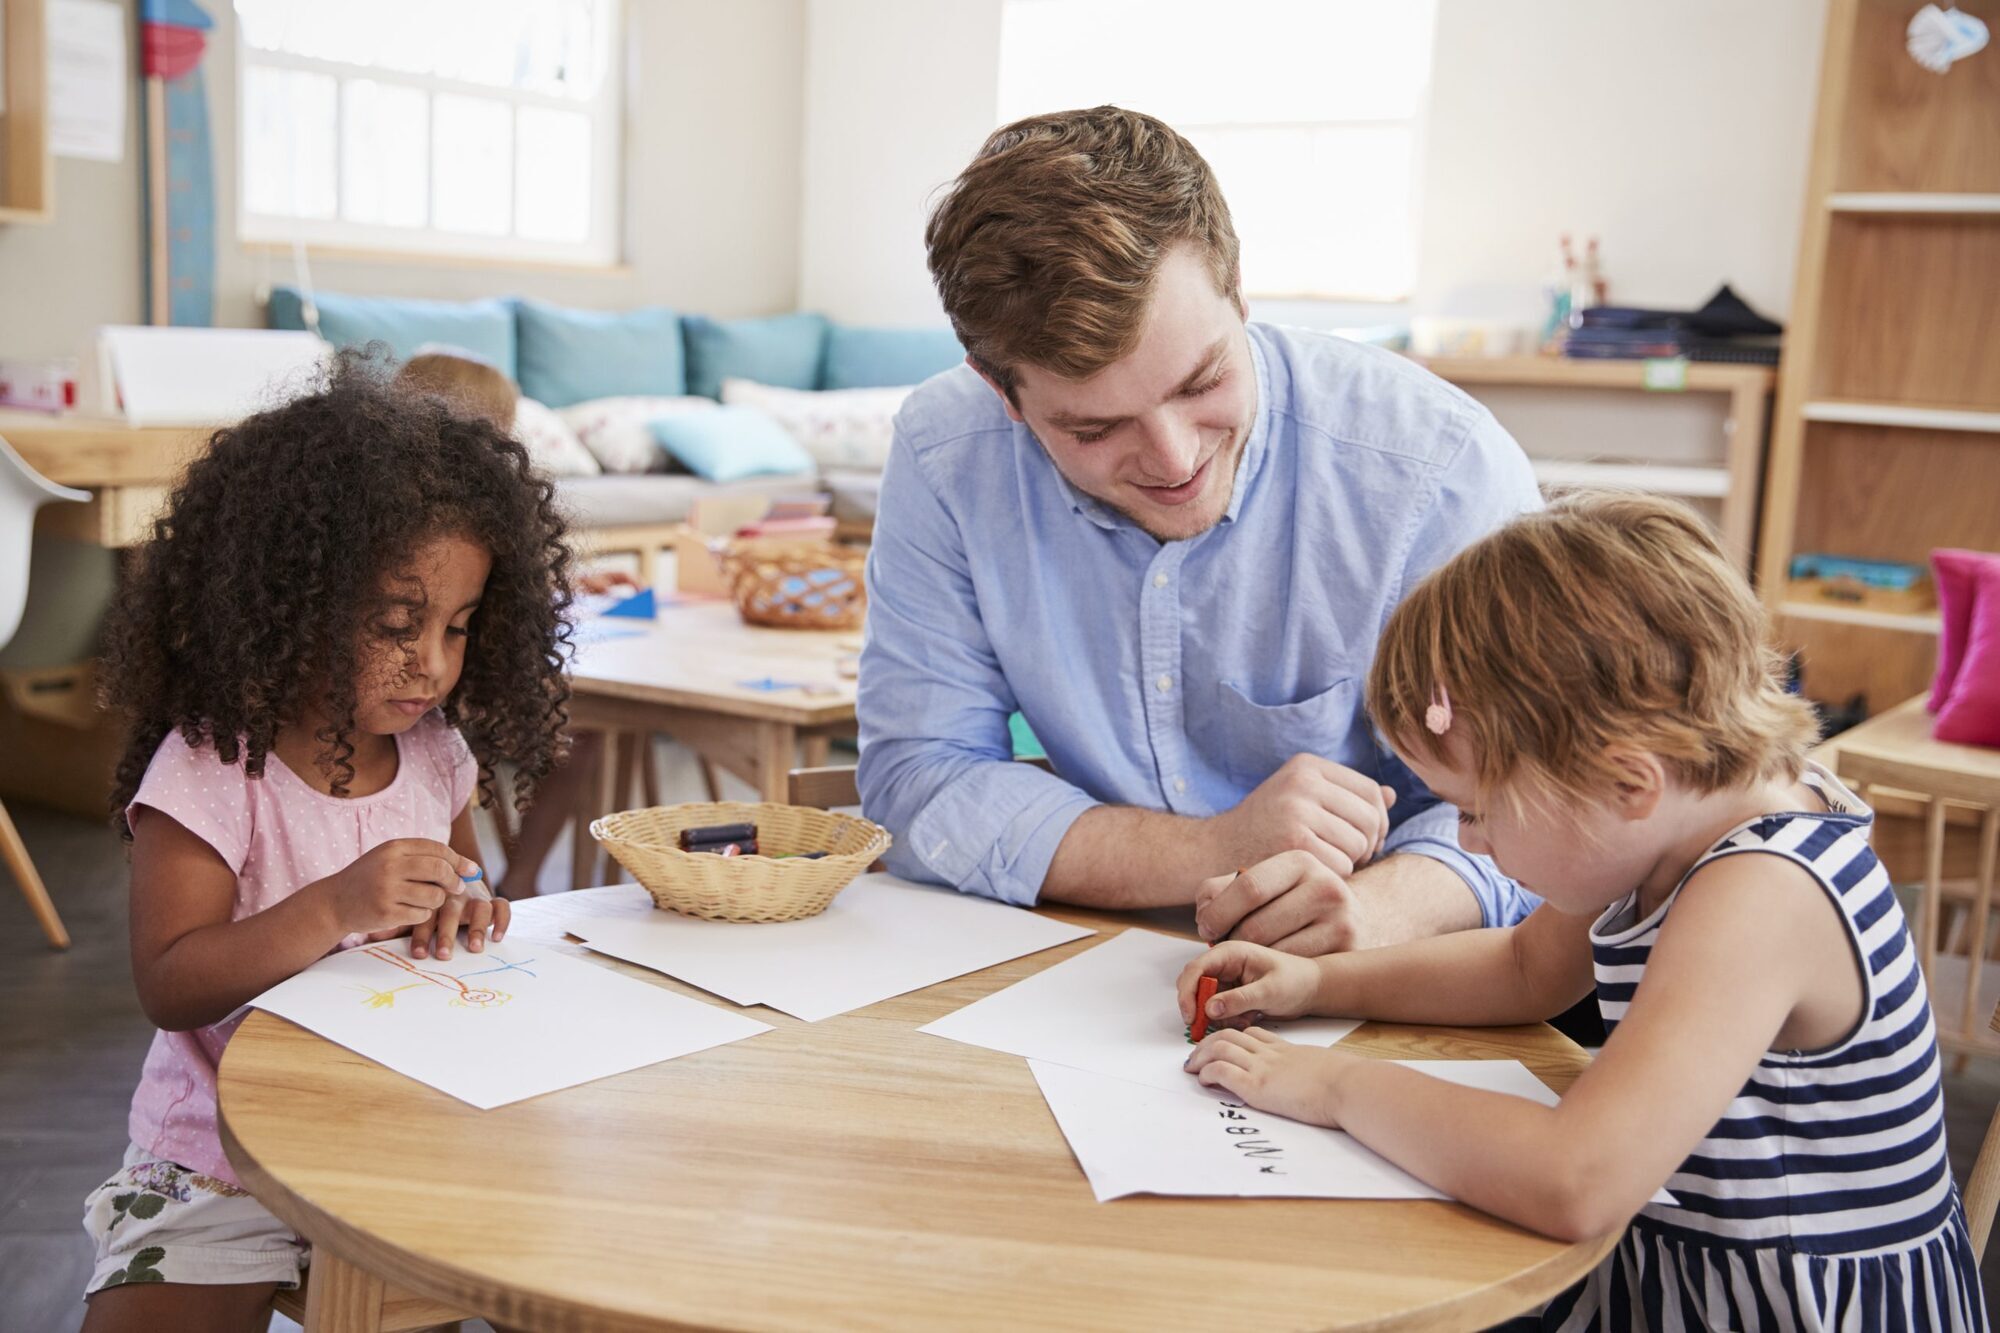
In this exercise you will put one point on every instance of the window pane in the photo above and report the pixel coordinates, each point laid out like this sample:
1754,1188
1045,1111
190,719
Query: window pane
1320,210
288,143
472,164
549,46
384,153
552,175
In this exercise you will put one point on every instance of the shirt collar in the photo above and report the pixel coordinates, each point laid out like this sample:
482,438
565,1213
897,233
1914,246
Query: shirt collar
1258,444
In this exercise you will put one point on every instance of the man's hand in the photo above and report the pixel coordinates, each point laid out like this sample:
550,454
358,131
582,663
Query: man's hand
1292,903
1310,805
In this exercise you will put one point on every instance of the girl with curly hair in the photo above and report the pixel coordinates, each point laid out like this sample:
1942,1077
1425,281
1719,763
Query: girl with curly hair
349,614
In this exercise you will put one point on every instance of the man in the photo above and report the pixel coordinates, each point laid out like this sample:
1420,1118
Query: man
1169,538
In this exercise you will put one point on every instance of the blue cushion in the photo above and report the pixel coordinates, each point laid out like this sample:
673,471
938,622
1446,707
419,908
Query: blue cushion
885,358
484,328
784,350
572,356
731,443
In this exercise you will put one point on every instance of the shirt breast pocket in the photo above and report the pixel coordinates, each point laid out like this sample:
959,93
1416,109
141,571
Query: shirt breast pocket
1248,741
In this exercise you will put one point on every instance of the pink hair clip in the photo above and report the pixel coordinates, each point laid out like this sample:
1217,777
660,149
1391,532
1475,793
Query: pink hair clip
1438,716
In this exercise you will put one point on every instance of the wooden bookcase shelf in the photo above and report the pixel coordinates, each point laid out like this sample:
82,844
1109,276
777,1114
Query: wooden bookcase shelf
27,170
1889,399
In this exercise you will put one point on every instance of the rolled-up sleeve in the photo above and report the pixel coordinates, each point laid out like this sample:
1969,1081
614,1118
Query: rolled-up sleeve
1487,482
937,764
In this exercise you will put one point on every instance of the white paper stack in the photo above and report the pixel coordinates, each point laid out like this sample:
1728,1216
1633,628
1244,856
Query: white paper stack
881,937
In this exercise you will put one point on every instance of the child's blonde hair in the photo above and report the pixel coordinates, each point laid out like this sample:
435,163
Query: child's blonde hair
470,386
1605,620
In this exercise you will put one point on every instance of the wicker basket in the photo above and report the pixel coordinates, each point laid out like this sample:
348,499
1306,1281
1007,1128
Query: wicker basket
797,585
743,888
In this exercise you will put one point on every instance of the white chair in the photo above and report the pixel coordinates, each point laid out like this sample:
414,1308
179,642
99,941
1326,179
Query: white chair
22,491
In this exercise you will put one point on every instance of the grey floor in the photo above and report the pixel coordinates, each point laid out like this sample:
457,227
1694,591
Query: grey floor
73,1038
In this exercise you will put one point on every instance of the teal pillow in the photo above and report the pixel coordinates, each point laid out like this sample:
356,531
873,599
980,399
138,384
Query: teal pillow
887,358
785,350
731,443
573,356
483,328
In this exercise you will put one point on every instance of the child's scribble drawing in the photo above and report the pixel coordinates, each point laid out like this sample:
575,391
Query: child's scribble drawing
502,966
463,996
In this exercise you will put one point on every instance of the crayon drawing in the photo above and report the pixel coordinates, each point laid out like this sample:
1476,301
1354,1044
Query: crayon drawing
462,995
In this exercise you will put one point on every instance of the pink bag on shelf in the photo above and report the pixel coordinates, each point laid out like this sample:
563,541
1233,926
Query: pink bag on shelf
1966,693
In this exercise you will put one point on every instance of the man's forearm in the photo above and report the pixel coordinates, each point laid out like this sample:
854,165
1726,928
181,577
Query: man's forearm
1117,856
1411,897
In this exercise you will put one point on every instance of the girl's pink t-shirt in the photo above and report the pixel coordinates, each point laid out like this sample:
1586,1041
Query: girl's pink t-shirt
278,834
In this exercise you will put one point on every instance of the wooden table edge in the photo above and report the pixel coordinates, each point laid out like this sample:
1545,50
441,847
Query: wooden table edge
449,1285
833,713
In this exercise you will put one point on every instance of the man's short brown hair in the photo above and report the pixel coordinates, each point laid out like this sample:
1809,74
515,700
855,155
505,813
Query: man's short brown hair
1046,248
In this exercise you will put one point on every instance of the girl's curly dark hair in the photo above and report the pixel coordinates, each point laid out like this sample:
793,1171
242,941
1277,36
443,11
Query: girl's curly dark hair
267,575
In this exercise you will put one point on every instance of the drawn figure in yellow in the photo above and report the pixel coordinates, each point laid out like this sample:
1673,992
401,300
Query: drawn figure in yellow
463,996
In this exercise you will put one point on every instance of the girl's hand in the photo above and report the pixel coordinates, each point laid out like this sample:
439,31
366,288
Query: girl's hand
477,915
1254,983
396,885
1271,1074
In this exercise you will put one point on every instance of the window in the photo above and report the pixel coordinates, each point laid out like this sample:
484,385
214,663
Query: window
471,127
1310,112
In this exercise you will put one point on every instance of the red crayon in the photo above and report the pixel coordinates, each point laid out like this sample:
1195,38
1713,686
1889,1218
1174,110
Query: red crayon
1204,991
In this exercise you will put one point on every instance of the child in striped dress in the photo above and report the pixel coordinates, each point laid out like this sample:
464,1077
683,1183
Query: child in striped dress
1590,687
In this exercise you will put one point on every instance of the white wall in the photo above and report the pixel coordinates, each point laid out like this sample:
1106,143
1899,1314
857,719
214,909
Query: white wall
898,96
1679,133
712,182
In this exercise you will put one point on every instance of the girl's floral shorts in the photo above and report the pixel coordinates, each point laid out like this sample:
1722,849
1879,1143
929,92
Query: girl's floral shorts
155,1221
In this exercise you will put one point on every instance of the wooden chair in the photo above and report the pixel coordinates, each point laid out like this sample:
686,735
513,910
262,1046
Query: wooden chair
1982,1189
833,787
1899,756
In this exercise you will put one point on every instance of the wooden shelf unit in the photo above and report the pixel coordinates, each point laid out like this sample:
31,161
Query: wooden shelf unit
1728,478
1886,442
27,168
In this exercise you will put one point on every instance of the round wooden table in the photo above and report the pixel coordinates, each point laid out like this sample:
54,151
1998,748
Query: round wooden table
853,1172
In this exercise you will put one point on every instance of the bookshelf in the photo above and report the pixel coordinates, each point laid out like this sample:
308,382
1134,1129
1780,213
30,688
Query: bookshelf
1886,439
27,170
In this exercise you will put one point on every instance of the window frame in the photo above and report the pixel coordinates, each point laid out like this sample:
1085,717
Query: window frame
601,248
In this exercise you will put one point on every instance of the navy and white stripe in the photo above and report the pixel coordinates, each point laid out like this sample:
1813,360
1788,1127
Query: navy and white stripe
1823,1198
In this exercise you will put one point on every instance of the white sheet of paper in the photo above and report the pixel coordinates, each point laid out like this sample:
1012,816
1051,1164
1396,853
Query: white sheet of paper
1109,1010
1132,1139
544,920
205,377
87,79
881,937
490,1028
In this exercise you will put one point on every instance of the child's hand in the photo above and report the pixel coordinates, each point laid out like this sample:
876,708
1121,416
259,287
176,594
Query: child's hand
396,885
439,933
1271,1074
1254,983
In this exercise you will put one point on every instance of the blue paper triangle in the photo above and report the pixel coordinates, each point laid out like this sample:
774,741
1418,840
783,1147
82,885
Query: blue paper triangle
640,605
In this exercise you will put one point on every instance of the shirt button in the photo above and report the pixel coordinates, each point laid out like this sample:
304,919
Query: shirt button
1163,684
1180,785
1159,580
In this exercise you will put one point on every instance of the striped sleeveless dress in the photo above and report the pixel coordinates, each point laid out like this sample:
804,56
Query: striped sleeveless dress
1822,1199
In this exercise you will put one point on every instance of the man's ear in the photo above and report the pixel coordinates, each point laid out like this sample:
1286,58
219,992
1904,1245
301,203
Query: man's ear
1242,301
1006,399
1641,785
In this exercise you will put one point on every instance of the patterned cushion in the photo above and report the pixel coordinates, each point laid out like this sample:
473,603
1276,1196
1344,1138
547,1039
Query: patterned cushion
840,428
551,443
618,431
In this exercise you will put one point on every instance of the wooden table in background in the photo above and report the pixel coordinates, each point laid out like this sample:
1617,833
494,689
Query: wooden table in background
685,676
849,1173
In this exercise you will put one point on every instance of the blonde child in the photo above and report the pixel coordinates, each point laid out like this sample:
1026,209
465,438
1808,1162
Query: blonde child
1590,687
349,613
